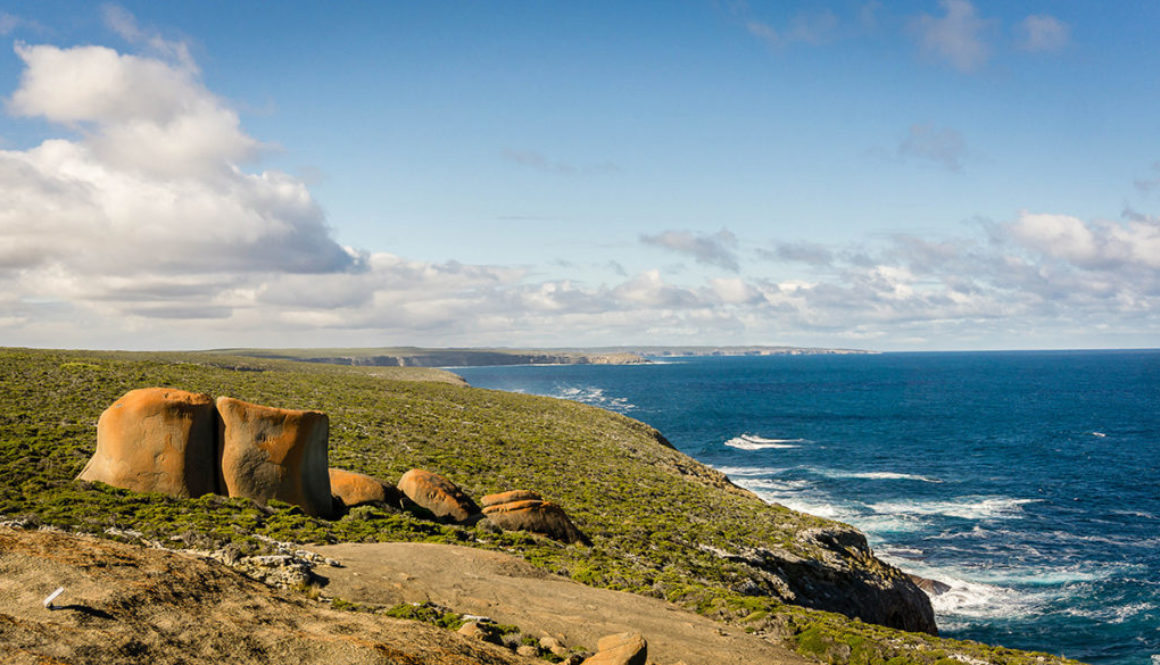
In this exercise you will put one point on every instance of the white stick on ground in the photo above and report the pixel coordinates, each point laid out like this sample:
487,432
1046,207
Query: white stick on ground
51,597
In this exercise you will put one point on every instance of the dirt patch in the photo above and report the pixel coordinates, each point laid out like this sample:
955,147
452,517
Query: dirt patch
124,604
511,591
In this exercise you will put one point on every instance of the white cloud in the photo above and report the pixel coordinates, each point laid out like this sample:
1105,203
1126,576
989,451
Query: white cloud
152,188
956,37
1093,245
716,249
1042,33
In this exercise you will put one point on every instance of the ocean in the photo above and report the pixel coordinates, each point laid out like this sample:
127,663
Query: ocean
1027,481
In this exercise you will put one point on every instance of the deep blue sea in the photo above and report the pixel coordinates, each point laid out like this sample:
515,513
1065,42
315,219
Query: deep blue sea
1028,481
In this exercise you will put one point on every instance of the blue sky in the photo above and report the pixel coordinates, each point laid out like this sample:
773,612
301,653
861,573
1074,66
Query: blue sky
923,175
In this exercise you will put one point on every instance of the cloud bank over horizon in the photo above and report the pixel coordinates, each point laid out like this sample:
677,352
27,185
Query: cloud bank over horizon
144,222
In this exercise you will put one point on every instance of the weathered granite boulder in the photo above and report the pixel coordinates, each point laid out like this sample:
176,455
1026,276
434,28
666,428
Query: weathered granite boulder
356,489
523,510
509,497
435,493
268,453
157,440
620,649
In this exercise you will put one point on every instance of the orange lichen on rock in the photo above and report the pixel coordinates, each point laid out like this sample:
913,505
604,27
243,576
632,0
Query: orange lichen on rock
157,440
270,453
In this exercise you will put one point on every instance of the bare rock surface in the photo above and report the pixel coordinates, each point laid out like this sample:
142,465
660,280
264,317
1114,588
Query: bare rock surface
512,591
157,440
269,453
125,605
437,494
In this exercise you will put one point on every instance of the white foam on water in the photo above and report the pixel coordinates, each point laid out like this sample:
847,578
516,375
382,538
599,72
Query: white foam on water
1115,614
743,471
871,475
754,442
969,598
773,484
976,507
594,396
810,505
1099,435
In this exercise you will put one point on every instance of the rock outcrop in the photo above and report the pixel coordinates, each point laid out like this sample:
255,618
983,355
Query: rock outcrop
269,453
157,440
620,649
356,489
524,510
438,495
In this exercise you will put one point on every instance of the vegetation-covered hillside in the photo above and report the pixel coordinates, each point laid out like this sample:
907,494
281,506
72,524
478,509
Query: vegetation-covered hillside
661,524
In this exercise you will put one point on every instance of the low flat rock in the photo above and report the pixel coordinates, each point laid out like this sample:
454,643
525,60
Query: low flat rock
512,591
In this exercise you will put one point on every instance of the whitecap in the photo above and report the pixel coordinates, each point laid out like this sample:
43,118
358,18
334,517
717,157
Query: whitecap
1099,435
754,442
966,507
1114,614
970,598
871,475
772,484
743,471
595,397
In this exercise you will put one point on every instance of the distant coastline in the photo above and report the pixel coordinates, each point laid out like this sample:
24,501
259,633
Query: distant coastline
484,357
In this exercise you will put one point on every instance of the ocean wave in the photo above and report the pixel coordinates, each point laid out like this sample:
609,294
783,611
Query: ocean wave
595,397
754,442
967,507
744,471
970,598
755,484
871,475
1114,614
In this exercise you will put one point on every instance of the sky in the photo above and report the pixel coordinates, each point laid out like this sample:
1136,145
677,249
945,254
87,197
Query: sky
923,175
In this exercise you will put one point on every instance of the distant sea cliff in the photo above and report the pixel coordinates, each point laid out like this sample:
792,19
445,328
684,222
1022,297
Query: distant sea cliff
479,357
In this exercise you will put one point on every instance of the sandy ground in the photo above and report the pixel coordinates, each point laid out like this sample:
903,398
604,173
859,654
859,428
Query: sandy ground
511,591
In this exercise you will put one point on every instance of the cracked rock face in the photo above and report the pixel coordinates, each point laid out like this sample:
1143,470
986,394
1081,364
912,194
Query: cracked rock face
157,440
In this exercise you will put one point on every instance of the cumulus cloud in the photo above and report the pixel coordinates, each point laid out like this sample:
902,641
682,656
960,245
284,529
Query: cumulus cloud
956,36
943,146
717,249
152,187
1042,33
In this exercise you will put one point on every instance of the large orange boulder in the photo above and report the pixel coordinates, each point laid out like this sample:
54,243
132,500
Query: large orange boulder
157,440
268,453
437,494
356,489
524,510
620,649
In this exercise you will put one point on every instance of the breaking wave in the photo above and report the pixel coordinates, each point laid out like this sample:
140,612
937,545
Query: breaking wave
754,442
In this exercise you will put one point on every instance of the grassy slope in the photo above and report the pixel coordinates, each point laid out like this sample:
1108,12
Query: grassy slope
647,507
